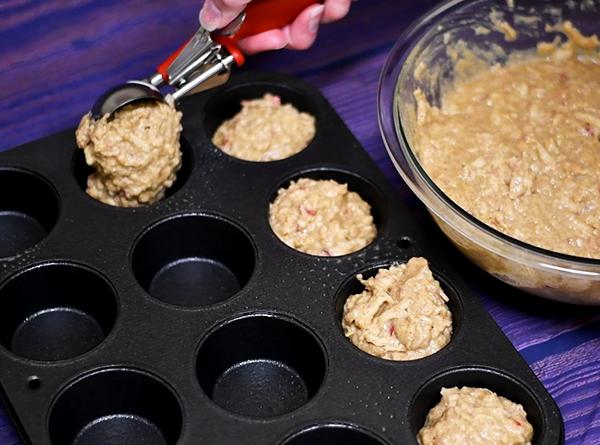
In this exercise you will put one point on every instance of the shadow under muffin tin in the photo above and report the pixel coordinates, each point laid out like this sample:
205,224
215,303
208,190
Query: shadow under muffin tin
190,322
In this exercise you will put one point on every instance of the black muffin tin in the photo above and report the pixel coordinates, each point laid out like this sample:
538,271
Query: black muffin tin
190,322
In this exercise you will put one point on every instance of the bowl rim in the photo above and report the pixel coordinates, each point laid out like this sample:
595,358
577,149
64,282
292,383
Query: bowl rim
397,145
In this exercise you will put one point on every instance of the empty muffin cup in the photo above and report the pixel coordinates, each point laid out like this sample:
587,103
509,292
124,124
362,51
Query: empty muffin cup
55,311
28,212
260,365
193,260
116,406
333,434
503,385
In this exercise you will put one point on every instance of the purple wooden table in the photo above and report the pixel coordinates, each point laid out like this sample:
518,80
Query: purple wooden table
57,56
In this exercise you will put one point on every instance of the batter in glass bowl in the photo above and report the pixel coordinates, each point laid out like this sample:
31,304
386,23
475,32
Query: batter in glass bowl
518,146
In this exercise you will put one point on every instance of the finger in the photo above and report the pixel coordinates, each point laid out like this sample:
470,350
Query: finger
265,41
335,10
303,31
216,14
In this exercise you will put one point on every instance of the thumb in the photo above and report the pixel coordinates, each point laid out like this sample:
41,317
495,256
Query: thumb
216,14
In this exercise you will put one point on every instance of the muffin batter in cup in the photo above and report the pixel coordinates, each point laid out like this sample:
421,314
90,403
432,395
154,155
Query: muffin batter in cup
265,130
401,314
475,416
322,217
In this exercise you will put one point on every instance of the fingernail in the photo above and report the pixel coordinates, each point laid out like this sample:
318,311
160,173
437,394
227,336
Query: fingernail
210,16
314,18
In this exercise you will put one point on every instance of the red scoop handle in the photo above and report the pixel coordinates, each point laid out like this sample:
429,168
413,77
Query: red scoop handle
261,16
264,15
163,68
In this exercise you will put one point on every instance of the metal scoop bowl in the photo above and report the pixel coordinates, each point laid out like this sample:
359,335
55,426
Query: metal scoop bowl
123,95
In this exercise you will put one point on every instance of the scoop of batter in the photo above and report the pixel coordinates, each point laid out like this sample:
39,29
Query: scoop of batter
475,416
322,217
265,130
401,314
136,154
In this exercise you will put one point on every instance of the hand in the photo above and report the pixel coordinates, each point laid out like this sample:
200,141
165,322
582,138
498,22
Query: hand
301,34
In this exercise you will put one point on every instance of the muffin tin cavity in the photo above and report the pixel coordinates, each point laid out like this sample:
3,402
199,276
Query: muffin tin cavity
193,260
81,170
116,406
227,104
29,208
351,286
333,434
261,365
363,187
502,384
56,311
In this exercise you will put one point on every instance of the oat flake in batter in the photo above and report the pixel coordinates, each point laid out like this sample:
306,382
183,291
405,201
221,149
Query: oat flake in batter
518,146
401,314
322,217
475,416
265,130
136,154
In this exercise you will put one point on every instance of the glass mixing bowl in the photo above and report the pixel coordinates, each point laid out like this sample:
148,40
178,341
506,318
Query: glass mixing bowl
420,59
